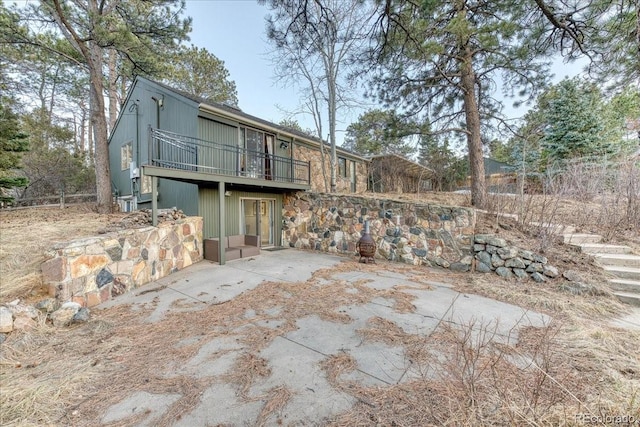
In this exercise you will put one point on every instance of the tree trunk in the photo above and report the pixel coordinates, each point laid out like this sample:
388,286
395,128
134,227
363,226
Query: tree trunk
474,141
113,88
99,127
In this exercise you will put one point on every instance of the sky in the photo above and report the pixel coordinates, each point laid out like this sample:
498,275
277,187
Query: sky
234,31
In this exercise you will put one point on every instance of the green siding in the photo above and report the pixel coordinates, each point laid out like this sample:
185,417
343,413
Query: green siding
208,209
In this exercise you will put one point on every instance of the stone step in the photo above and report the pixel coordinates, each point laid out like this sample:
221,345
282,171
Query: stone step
628,298
578,239
602,248
630,273
622,260
625,285
555,228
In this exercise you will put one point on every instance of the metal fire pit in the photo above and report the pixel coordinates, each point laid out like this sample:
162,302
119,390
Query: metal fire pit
366,246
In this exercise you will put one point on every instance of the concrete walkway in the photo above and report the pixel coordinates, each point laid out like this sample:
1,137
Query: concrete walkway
295,358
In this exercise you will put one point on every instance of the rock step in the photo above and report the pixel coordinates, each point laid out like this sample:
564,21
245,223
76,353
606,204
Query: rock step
555,228
622,260
625,285
601,248
577,239
628,298
630,273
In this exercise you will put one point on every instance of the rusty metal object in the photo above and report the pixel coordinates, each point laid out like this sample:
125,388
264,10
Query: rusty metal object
366,246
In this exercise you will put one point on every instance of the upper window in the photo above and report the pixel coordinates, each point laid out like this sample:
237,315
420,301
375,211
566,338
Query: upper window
125,156
342,167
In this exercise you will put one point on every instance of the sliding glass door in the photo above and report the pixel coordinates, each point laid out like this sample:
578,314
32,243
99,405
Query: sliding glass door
258,219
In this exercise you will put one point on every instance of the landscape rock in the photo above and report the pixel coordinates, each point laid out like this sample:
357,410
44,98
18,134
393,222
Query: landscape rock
2,337
48,305
483,268
484,257
459,267
524,254
496,261
23,323
550,271
504,272
539,258
508,252
572,276
64,315
496,241
491,249
83,315
6,320
514,263
535,267
22,310
538,277
520,273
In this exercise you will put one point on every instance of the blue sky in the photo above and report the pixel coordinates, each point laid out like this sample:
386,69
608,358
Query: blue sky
234,31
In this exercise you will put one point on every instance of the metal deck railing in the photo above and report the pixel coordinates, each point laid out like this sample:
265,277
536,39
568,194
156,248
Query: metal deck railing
175,151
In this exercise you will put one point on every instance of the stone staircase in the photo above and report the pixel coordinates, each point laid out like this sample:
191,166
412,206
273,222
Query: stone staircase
618,261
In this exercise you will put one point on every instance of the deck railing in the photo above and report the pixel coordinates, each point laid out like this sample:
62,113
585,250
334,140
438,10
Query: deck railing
175,151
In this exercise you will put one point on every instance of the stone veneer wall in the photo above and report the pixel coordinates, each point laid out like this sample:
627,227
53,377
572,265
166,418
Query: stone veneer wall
343,185
427,234
92,270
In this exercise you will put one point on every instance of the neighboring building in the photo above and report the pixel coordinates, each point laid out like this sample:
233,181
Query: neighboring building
169,148
500,177
392,173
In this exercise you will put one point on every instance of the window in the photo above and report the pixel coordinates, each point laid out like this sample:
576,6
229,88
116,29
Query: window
342,167
145,184
125,156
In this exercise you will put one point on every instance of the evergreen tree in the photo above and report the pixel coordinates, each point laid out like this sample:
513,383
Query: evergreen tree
574,124
12,144
443,57
382,132
198,72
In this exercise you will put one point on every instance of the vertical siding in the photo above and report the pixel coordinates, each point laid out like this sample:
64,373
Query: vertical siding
208,209
220,133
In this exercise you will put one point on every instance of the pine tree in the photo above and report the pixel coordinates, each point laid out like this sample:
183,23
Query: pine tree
12,143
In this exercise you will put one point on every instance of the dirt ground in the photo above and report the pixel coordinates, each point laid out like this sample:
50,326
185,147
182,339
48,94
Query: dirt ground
54,373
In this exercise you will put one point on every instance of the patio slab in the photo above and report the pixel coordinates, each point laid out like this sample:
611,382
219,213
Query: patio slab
294,359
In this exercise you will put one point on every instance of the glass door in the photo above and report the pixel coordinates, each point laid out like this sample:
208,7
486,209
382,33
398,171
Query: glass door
258,219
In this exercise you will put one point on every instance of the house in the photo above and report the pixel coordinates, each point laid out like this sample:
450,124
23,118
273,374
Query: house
392,173
169,148
500,177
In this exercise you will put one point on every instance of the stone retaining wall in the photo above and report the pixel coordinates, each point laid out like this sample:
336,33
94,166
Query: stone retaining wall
92,270
495,254
412,233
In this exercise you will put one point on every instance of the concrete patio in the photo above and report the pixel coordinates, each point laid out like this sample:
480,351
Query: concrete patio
295,357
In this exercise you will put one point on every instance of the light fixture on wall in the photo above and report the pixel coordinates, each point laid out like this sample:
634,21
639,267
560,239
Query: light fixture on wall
284,145
227,193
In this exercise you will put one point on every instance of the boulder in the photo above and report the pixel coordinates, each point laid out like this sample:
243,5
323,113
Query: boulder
484,257
508,252
520,273
496,261
534,267
514,263
482,268
64,315
538,277
504,272
550,271
6,320
459,267
48,305
81,316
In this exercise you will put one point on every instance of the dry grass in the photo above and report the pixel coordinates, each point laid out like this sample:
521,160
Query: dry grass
578,364
26,234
